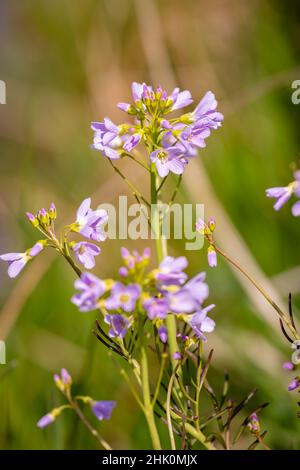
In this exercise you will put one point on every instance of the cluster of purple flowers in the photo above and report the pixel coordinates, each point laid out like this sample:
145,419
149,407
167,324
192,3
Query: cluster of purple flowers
161,292
101,409
89,223
283,193
178,138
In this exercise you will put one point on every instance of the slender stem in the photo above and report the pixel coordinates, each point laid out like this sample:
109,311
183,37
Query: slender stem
168,409
160,375
199,436
261,290
138,161
132,388
88,425
198,389
148,410
131,186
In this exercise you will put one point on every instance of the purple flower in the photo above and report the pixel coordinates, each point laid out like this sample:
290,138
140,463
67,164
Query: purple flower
91,288
288,366
107,138
137,91
253,423
168,159
295,383
45,420
17,261
212,257
123,297
89,223
205,114
170,271
85,253
177,356
163,334
119,325
201,323
191,296
103,409
282,194
156,307
180,99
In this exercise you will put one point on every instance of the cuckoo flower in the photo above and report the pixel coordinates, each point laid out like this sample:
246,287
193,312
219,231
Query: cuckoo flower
170,271
201,323
283,193
85,253
107,138
168,159
91,288
118,325
103,409
89,222
17,261
123,297
205,114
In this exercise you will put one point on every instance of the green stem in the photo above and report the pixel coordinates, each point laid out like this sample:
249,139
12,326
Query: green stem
281,314
148,410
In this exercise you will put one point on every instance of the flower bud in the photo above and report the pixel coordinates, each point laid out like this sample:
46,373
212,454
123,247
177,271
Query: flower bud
32,219
52,211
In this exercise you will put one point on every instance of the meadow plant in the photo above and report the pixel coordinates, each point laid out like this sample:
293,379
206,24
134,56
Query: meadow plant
157,316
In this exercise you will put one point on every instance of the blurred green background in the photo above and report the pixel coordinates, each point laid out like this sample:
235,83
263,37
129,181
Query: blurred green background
66,63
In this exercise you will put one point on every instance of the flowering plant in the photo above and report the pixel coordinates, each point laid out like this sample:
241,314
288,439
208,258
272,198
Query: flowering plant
161,313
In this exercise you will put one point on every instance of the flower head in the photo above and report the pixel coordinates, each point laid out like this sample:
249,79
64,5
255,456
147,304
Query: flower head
103,409
168,159
85,253
91,288
201,323
123,296
89,222
63,381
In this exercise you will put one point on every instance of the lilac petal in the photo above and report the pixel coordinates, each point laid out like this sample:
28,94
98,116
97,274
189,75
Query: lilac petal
276,192
184,98
84,208
16,267
208,103
296,209
110,126
176,165
162,168
281,201
36,249
124,107
208,325
132,142
11,256
137,90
